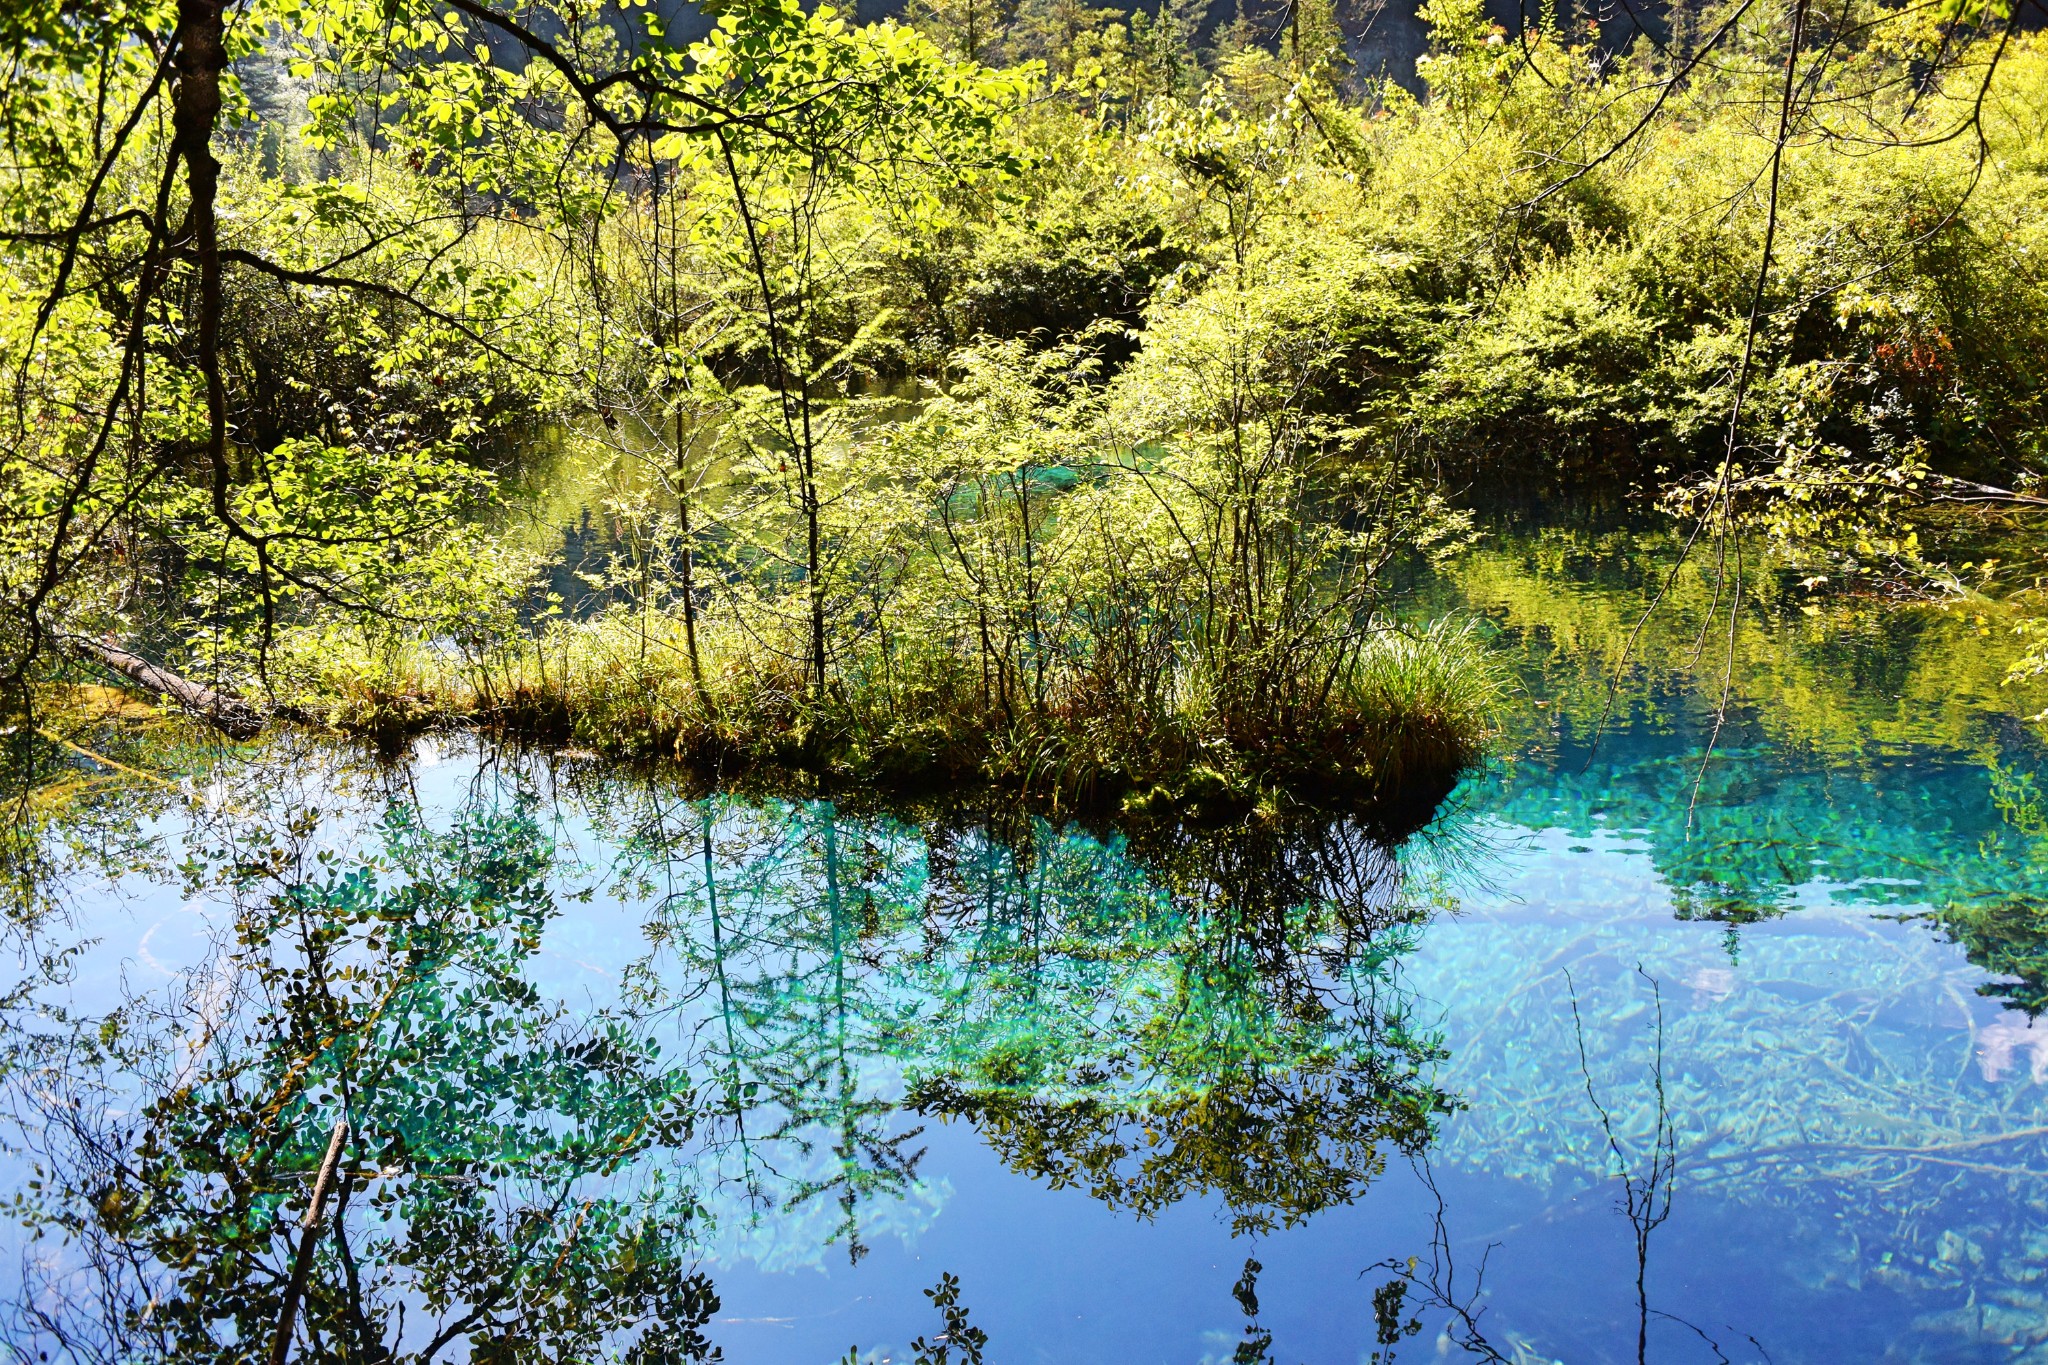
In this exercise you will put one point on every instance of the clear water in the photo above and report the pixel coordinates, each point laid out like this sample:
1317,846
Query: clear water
1625,1057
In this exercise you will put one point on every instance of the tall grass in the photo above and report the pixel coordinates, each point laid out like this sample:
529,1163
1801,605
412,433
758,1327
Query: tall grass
1409,710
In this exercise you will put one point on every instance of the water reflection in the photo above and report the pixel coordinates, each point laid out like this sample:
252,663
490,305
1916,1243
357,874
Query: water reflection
1185,1016
553,1133
1225,1025
614,1051
496,1188
1834,1081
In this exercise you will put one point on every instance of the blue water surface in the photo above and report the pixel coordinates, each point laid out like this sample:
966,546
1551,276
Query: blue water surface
1638,1051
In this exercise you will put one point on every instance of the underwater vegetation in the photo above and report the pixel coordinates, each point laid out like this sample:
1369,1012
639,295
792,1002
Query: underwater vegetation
626,1045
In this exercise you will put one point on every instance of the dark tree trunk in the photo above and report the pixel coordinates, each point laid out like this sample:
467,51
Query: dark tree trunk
195,100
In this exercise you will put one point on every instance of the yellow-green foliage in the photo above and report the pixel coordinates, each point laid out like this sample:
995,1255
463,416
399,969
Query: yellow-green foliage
1855,679
1068,439
1138,528
1550,261
1087,591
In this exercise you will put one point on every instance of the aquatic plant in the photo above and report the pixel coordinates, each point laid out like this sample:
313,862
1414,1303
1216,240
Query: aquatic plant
1811,1076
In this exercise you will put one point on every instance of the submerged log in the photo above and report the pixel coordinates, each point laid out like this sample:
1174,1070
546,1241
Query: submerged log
229,714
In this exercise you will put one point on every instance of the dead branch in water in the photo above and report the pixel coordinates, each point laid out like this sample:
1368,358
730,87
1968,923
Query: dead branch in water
231,715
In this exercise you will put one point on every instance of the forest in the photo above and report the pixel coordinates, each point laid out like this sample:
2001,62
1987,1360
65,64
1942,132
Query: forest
695,679
1039,395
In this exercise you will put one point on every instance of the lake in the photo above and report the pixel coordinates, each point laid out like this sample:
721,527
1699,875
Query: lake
1698,1026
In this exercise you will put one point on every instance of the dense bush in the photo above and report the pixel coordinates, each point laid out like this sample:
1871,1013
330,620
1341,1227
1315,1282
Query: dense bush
1057,422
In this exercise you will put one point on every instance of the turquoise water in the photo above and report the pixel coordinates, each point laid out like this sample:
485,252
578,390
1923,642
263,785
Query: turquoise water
1591,1069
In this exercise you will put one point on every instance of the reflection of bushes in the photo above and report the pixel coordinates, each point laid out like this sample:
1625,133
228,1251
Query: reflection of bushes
1190,1011
1276,1147
481,1191
2001,919
1770,831
1854,682
1223,1023
1186,1013
2009,939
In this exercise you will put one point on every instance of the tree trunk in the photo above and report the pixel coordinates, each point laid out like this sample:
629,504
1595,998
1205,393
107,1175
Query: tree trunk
309,1240
232,716
202,57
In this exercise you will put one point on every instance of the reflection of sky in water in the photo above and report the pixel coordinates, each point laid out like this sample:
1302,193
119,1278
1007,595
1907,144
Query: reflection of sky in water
1845,1098
1859,1119
1842,1092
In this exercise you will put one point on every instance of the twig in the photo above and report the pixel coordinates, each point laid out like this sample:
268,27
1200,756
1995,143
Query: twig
309,1238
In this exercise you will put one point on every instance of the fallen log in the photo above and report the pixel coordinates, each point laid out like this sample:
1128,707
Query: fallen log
229,714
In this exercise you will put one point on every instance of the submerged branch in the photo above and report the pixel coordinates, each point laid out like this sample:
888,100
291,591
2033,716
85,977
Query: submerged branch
1970,491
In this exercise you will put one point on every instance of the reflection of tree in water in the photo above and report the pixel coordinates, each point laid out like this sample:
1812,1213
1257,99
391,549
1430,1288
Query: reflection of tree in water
489,1198
771,924
1645,1165
1919,827
79,789
1200,1012
2000,917
527,1176
1964,841
765,927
